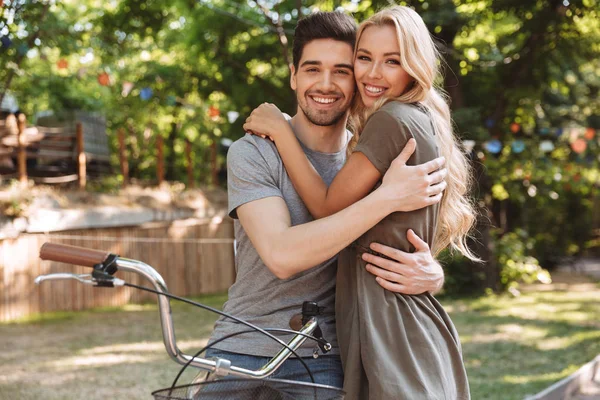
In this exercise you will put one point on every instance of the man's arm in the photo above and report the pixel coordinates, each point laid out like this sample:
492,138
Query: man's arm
411,273
287,250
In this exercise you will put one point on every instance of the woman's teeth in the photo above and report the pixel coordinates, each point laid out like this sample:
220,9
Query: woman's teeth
373,89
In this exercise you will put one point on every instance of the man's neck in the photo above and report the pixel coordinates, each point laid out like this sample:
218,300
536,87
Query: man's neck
324,139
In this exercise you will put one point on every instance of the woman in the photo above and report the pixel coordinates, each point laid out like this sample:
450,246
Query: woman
393,346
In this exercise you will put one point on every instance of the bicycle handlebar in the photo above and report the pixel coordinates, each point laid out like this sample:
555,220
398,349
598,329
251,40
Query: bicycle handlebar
91,258
72,254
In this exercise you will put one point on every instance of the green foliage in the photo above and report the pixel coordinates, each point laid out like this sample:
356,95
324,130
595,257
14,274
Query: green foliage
529,62
515,264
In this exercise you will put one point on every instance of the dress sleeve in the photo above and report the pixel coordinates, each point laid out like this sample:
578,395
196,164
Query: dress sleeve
249,176
382,139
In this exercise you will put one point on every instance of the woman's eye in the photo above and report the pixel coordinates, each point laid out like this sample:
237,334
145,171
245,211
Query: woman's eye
363,58
395,62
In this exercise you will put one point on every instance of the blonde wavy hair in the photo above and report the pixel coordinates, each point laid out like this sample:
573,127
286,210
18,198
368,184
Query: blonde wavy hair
419,58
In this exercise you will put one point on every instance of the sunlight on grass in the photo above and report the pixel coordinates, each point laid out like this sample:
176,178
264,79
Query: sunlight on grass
144,347
97,360
517,346
565,342
552,376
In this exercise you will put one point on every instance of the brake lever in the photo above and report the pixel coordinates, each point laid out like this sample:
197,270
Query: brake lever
86,279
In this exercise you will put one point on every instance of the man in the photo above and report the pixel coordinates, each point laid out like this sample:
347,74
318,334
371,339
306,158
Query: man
280,248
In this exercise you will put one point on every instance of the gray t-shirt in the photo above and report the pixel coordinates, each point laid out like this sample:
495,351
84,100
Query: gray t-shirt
255,171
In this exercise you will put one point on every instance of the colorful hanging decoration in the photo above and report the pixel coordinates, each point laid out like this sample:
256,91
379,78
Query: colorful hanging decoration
590,133
518,146
574,134
232,116
579,146
22,49
489,123
558,132
146,93
104,79
127,87
5,41
62,63
494,146
546,146
214,113
514,127
544,131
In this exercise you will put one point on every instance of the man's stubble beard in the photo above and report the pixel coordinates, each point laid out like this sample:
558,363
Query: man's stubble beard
323,120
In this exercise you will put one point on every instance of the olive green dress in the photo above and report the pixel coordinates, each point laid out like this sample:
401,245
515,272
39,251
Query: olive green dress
395,346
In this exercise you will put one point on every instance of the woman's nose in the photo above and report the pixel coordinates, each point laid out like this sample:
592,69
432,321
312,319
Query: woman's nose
375,71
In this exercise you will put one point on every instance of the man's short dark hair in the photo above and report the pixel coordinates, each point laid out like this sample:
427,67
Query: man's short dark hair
323,25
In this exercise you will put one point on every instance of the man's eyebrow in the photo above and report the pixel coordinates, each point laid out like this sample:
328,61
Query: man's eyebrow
347,66
310,62
319,63
393,53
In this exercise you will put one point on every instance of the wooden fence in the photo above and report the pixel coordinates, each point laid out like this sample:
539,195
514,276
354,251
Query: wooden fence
193,256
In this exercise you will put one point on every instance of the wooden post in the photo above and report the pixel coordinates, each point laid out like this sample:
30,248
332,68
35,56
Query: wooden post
81,158
214,172
160,164
123,156
190,165
21,155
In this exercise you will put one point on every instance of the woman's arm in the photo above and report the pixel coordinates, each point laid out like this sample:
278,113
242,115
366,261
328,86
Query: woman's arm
356,179
353,182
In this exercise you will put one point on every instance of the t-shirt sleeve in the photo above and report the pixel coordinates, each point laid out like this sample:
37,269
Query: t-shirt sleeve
249,177
382,139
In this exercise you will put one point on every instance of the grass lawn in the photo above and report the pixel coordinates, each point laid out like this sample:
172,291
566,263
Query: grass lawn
512,346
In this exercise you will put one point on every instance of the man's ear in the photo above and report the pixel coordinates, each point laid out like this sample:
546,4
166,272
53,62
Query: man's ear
293,77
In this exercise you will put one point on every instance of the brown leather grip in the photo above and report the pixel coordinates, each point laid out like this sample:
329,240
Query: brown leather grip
72,254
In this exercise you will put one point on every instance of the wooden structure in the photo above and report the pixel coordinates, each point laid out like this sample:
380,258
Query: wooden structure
55,151
193,256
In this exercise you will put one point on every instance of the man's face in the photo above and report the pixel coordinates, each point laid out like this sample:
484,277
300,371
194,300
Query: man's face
324,81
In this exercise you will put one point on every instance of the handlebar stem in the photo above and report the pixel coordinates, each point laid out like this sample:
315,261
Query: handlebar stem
168,331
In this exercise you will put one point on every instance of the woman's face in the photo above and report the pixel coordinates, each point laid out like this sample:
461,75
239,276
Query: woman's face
377,67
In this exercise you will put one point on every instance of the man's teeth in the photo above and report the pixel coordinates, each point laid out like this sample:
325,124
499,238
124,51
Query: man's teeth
374,89
323,100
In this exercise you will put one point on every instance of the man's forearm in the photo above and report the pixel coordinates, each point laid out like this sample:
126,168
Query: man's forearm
301,247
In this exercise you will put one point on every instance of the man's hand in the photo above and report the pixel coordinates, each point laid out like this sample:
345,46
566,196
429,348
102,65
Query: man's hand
414,187
413,273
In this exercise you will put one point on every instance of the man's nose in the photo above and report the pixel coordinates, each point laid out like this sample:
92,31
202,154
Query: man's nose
326,84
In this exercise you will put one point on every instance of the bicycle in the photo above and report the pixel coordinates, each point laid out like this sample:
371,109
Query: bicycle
247,384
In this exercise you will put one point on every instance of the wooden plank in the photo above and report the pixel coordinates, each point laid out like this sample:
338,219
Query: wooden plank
81,160
21,156
123,156
189,267
160,162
